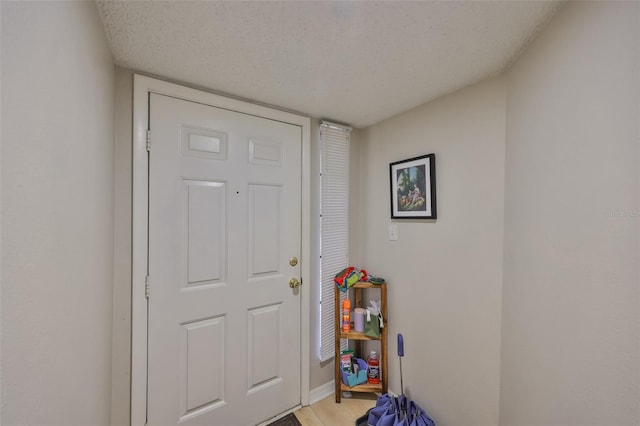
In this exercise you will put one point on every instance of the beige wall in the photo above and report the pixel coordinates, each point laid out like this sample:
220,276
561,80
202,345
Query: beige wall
558,342
570,313
57,214
445,276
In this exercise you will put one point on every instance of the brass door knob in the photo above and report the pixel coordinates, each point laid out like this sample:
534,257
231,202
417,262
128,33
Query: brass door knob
294,283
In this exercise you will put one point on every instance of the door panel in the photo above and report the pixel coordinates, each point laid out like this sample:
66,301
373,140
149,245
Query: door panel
205,245
264,229
224,218
264,366
202,374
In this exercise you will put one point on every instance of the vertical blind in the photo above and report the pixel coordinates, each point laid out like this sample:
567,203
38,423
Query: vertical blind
334,224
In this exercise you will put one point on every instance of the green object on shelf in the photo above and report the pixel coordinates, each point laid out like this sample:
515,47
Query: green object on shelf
372,328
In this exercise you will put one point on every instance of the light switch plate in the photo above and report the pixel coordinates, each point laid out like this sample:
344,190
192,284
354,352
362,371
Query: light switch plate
393,232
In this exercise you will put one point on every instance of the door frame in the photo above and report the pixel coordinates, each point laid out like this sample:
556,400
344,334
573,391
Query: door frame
142,86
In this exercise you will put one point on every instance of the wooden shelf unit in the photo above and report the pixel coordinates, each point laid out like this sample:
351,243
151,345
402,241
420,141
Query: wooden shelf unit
359,338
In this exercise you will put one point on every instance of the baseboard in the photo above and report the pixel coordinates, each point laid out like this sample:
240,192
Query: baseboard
321,392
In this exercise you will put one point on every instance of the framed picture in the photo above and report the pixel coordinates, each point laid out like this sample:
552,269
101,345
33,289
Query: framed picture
413,188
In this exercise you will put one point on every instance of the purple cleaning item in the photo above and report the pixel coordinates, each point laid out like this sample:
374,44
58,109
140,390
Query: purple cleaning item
391,410
400,355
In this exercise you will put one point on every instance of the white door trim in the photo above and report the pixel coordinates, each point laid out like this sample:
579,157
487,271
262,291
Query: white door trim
142,86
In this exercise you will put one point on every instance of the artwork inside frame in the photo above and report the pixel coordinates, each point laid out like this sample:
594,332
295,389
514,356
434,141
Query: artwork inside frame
413,188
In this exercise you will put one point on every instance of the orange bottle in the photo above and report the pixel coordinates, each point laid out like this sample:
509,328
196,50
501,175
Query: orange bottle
346,316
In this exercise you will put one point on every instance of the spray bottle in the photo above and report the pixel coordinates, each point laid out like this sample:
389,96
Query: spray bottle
346,316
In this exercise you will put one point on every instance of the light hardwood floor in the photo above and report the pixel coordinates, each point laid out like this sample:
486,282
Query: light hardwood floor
327,413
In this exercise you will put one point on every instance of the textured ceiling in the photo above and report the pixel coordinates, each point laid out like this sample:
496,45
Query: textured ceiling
357,62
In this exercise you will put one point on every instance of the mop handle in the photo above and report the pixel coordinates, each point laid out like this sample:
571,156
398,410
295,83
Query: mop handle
400,355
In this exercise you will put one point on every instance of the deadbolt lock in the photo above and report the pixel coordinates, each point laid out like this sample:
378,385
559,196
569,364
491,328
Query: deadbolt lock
293,261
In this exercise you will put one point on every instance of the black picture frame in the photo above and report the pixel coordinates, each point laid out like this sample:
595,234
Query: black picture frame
413,188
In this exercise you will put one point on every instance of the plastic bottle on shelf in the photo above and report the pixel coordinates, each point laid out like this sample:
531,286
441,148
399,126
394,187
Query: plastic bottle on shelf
346,316
373,372
358,320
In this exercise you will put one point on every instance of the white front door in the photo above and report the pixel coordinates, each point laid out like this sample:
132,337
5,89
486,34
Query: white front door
224,223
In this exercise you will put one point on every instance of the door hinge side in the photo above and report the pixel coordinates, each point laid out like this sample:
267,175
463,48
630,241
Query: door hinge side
148,140
146,286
